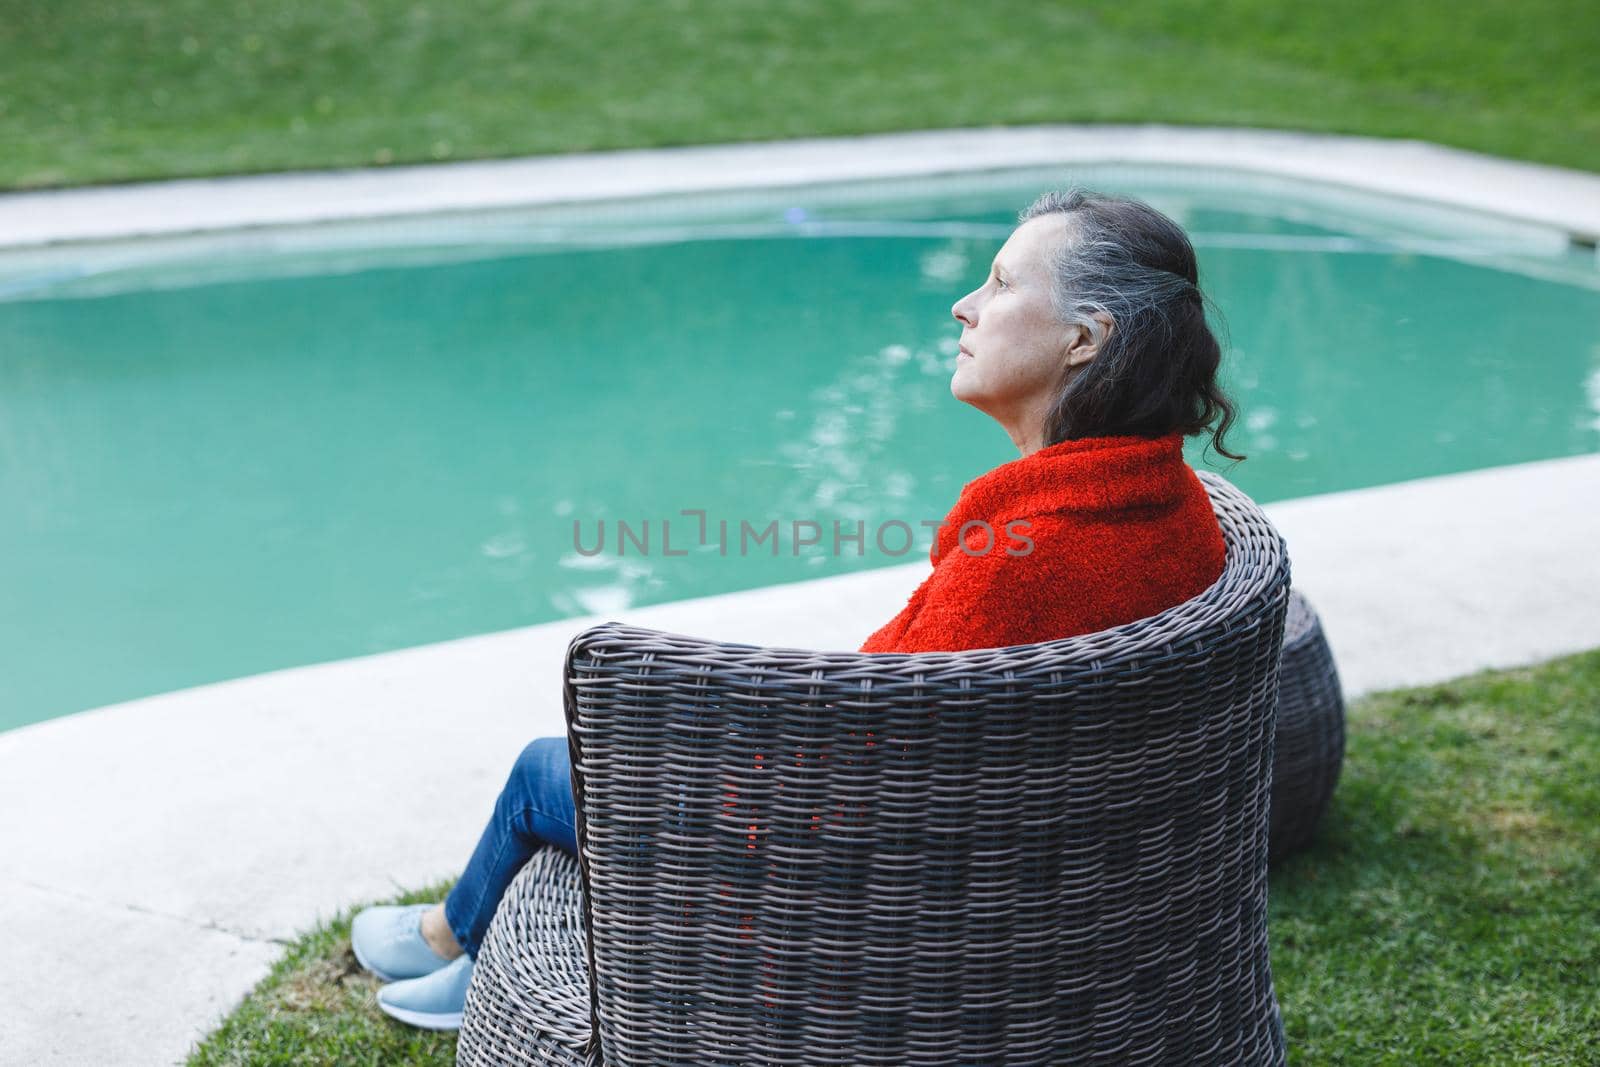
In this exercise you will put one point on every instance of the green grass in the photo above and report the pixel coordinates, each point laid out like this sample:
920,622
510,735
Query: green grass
317,1007
1449,913
113,90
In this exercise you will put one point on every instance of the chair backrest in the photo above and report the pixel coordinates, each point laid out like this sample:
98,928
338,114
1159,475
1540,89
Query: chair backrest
1042,854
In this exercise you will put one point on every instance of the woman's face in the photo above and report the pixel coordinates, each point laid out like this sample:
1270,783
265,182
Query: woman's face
1015,351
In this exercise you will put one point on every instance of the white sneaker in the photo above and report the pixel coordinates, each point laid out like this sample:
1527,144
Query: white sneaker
432,1002
387,940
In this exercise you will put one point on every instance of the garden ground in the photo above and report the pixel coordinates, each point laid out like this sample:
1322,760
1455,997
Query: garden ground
144,89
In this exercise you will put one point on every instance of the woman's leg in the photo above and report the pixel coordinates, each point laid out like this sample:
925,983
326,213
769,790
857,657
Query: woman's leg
535,808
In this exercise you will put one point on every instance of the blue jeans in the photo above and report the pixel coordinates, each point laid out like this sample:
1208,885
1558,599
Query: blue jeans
535,808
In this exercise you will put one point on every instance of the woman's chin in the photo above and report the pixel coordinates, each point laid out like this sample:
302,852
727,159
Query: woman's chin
963,385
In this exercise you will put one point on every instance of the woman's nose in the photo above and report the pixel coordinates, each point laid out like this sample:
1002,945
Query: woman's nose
964,311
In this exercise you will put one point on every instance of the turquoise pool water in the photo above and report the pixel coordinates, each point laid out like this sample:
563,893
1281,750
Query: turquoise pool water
230,455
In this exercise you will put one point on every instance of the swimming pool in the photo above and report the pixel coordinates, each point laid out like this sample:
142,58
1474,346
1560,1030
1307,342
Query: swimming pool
226,455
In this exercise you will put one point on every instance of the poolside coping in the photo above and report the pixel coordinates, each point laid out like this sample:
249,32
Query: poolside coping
1554,197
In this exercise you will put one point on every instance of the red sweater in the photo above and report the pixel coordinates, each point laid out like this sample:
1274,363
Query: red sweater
1120,529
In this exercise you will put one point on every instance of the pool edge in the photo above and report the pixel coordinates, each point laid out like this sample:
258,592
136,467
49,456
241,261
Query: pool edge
1561,198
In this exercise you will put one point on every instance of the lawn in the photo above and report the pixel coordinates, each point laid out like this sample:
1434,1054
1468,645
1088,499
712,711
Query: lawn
1447,914
116,90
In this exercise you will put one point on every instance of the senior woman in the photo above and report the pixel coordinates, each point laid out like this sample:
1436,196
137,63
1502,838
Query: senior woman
1088,343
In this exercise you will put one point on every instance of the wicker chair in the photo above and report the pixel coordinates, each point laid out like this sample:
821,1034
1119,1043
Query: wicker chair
1309,750
1044,854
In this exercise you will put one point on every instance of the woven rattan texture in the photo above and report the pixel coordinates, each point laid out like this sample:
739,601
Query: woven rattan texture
1043,854
1310,743
529,998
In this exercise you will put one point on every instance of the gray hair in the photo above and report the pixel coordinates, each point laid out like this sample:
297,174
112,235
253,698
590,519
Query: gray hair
1155,370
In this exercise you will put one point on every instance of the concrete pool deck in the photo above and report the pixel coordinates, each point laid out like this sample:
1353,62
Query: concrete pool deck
160,853
1427,175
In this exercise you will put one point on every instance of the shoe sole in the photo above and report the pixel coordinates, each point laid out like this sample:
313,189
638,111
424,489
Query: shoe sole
423,1020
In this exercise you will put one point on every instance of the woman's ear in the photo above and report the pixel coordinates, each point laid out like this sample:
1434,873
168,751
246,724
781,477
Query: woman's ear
1084,345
